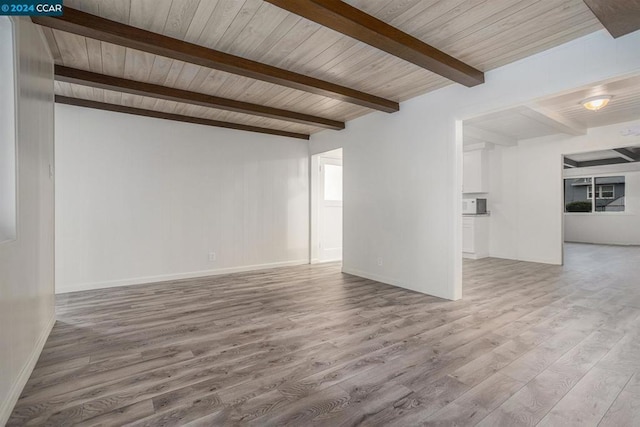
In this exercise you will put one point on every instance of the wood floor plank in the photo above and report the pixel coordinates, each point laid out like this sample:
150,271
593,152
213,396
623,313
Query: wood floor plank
531,403
587,403
308,345
625,411
474,405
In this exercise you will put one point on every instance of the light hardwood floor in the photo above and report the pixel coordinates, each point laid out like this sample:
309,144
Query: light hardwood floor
529,344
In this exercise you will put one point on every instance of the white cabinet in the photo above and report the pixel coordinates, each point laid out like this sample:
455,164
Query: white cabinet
467,235
475,172
475,236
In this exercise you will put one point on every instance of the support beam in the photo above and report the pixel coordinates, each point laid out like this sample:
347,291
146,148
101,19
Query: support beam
619,17
553,120
175,117
570,163
601,162
628,155
95,27
488,136
348,20
101,81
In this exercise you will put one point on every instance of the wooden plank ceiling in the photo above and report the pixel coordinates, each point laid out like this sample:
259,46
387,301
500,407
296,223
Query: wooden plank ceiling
482,34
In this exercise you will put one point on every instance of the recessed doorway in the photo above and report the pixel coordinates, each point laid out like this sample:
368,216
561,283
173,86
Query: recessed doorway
326,207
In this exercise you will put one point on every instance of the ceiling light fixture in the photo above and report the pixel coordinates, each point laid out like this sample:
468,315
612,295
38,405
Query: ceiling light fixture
596,102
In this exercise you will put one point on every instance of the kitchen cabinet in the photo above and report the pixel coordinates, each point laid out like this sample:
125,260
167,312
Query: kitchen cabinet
475,236
475,172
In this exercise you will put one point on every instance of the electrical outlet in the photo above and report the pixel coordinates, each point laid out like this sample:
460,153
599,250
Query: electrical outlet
380,261
212,256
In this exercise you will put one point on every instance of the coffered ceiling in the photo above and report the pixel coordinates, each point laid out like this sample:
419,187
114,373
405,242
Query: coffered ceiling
562,113
481,34
624,105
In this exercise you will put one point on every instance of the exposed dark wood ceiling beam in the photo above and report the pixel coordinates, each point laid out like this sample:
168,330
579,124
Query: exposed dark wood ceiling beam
353,22
570,163
619,17
628,155
601,162
175,117
101,81
95,27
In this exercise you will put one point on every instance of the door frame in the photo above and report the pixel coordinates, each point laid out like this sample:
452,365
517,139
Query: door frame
314,194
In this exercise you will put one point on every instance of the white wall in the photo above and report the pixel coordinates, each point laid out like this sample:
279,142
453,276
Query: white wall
141,200
402,183
527,196
616,228
26,263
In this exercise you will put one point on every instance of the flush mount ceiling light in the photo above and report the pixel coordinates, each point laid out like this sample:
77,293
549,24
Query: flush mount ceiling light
596,102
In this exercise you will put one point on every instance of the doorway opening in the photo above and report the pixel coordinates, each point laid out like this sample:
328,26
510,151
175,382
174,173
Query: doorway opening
600,196
326,207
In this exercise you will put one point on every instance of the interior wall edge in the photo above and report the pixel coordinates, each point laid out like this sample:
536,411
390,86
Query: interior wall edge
16,390
27,300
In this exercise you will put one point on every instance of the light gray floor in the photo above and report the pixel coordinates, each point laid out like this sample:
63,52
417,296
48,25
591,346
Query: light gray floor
529,344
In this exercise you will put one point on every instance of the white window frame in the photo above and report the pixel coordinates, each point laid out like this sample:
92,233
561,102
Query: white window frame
613,191
599,191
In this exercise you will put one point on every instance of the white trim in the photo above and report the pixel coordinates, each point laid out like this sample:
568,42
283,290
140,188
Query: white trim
613,191
167,277
322,261
316,195
527,259
388,281
14,393
474,255
599,192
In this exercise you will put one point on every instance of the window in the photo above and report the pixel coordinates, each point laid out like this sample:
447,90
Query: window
609,191
602,191
333,182
606,191
7,134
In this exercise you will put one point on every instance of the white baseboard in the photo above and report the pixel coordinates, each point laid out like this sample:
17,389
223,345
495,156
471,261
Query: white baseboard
470,255
167,277
6,407
324,261
372,276
525,259
386,280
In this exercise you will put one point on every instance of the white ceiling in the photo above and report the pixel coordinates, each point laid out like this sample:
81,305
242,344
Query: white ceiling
623,107
564,112
511,123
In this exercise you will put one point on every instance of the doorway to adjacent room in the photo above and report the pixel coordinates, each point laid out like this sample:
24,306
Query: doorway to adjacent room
326,207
